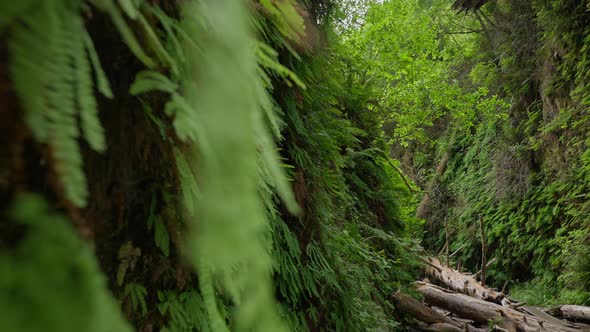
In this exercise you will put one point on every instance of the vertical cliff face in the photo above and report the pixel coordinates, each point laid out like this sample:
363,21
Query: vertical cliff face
148,132
527,175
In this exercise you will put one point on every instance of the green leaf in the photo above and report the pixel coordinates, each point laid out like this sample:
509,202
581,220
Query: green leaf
148,80
162,237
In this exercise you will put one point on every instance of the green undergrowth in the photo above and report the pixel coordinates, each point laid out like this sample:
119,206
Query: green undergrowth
213,156
525,177
50,261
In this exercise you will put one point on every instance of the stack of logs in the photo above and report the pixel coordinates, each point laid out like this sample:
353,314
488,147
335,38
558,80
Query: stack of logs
456,302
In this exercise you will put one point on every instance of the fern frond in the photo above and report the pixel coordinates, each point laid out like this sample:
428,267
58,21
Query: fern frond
187,311
49,56
186,119
186,122
219,89
137,294
172,29
267,58
62,111
271,161
285,17
149,80
161,236
31,46
206,285
91,127
130,7
51,261
102,83
156,45
189,186
127,34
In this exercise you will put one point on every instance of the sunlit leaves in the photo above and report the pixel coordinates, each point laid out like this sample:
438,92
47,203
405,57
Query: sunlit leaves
406,53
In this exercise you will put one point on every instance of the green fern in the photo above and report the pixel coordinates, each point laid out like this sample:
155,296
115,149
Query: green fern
110,7
155,44
189,187
102,83
130,7
136,293
224,99
87,106
173,32
186,120
52,61
186,311
51,263
49,56
149,80
161,235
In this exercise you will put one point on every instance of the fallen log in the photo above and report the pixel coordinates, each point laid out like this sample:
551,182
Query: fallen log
543,315
416,309
575,313
441,327
484,312
460,282
432,320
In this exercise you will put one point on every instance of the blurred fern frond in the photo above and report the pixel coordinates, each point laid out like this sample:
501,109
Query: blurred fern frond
70,276
52,60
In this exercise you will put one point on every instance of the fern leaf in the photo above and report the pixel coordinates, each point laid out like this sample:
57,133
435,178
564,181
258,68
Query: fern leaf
51,261
110,8
91,127
62,111
270,109
102,82
53,78
130,7
189,187
30,59
224,98
208,292
186,122
285,17
267,57
136,293
149,80
156,45
172,28
161,236
271,160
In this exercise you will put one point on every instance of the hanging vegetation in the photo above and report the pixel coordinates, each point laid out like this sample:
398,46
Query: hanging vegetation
262,165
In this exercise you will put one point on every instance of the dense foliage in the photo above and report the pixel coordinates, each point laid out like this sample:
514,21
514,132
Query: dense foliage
179,182
523,175
216,165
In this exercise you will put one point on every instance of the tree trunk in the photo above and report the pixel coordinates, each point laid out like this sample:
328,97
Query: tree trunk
484,262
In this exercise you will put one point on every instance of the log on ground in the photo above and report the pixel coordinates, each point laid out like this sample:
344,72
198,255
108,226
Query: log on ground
459,282
432,321
416,309
485,312
575,313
